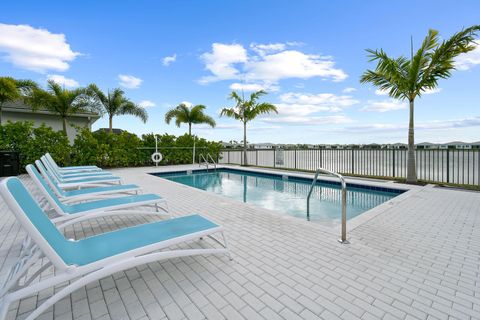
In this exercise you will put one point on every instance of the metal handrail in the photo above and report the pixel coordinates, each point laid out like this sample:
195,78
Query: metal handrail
343,238
213,161
205,162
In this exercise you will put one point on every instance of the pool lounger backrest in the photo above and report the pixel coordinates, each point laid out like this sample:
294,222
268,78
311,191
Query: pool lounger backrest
41,184
34,220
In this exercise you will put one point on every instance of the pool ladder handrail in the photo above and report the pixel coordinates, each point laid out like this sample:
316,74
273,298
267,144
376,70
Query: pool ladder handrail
204,161
213,161
343,238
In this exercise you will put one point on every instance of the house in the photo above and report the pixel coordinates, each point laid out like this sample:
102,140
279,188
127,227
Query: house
262,146
114,130
398,145
426,145
18,111
475,145
458,145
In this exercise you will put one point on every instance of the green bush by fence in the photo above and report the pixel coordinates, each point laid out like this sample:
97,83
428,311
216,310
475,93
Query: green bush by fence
101,148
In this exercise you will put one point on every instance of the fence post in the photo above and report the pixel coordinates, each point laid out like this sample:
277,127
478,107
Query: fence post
228,156
321,157
256,157
295,158
393,163
448,165
274,157
353,161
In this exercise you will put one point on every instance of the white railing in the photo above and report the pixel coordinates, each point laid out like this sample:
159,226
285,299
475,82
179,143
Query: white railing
343,238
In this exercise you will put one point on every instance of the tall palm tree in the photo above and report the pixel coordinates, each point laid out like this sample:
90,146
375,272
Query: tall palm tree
12,90
115,104
194,115
246,111
407,79
63,102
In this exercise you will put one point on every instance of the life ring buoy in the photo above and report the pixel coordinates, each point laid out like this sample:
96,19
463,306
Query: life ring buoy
157,157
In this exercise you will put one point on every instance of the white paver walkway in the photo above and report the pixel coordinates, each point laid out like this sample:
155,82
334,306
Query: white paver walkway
418,259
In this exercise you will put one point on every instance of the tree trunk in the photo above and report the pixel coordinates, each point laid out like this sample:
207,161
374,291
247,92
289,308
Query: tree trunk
110,123
411,165
1,114
245,144
189,129
64,122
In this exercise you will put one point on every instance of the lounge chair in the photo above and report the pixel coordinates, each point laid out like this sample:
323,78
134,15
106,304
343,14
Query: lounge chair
73,168
84,261
65,177
87,193
80,182
93,209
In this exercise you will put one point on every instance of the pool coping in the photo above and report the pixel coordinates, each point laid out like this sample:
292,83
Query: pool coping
407,192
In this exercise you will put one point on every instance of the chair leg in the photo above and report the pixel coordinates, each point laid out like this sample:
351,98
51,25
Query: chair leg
225,244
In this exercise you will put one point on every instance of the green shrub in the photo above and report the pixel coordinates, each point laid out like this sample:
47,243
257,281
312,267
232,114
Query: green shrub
180,150
32,142
102,148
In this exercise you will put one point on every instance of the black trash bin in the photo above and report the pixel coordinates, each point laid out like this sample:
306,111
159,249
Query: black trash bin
9,163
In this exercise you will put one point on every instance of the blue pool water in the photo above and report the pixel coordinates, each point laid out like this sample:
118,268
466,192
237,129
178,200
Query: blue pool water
288,196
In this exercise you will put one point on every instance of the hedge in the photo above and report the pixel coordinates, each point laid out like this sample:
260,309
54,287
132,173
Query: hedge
101,148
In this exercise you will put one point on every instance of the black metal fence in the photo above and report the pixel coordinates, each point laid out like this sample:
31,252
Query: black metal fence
436,165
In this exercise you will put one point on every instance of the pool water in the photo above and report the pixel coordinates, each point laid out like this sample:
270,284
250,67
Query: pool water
285,194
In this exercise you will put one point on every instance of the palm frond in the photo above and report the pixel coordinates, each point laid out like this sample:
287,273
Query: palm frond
170,115
231,113
442,60
130,108
259,109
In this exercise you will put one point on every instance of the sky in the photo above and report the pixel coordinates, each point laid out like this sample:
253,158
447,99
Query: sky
308,56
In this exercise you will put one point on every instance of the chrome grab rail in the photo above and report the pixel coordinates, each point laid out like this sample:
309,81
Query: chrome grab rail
343,238
205,162
213,161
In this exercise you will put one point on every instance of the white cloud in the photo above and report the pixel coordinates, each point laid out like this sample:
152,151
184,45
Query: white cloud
380,92
430,125
62,80
221,61
169,60
384,105
34,49
468,60
249,87
129,81
146,104
237,126
187,103
349,90
268,63
263,49
304,108
292,64
309,120
306,103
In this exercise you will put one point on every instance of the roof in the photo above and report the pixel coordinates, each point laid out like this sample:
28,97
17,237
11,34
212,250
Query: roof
21,107
114,130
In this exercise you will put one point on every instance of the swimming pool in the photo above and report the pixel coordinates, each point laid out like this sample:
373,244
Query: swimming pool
286,194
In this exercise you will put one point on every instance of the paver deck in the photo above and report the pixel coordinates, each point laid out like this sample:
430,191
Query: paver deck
418,259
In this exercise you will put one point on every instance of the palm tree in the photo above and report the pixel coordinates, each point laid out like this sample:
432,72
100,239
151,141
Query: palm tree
115,104
194,115
247,110
12,90
407,79
63,102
